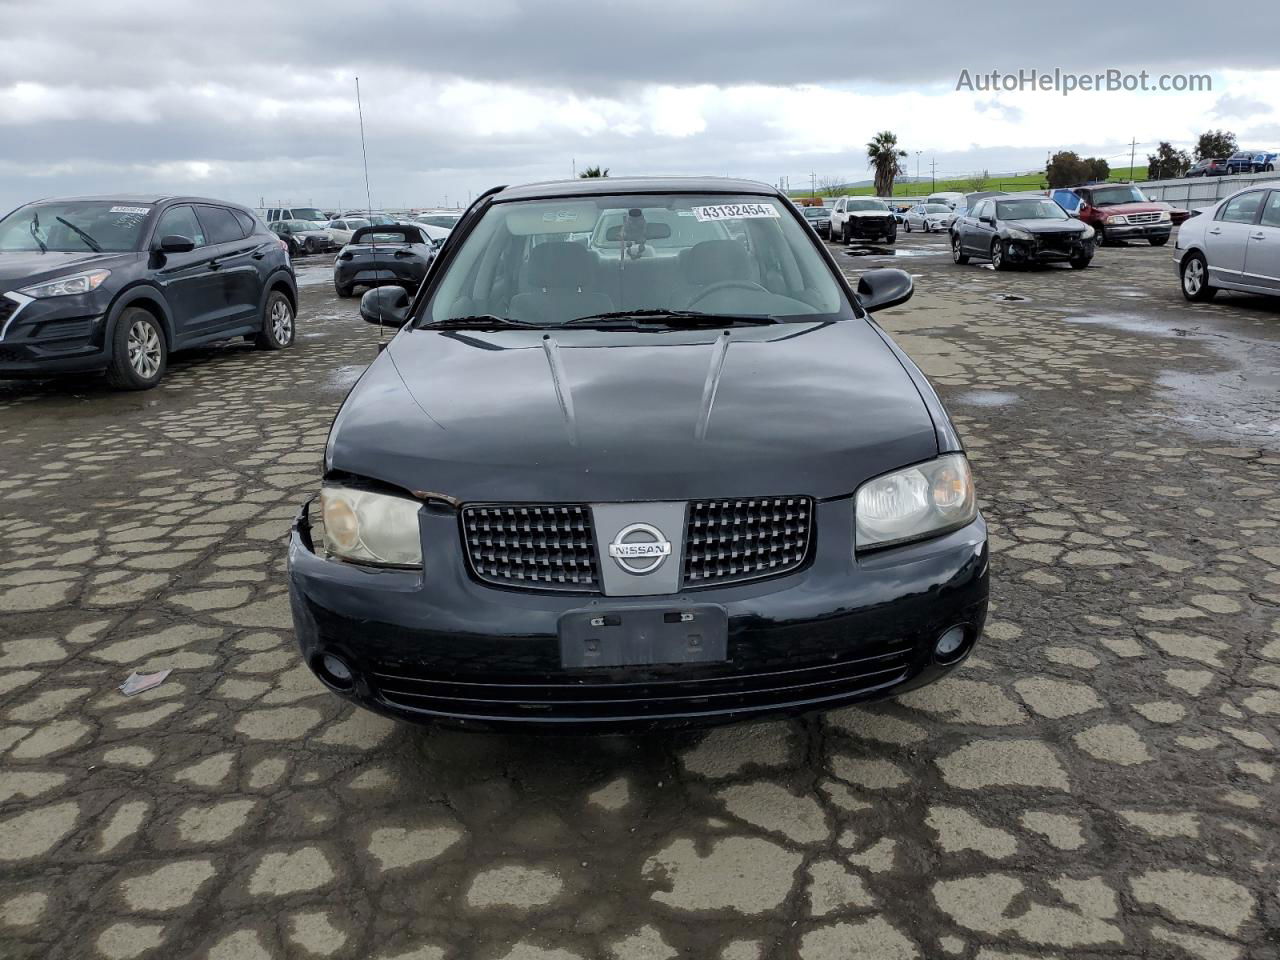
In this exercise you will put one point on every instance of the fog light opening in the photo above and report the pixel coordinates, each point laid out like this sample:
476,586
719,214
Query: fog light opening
952,646
335,671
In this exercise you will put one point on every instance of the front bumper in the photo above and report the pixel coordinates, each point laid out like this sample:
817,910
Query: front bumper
1138,231
1033,251
41,338
883,230
446,648
370,273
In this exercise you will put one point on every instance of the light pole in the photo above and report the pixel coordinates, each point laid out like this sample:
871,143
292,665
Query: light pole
918,152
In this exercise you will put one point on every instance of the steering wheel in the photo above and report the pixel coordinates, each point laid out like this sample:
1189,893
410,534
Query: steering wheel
728,285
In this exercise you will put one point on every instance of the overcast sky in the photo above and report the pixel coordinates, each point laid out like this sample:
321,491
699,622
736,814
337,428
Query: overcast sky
245,100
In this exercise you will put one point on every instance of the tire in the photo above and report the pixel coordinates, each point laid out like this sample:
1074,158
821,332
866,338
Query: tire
907,224
278,323
139,352
957,253
1157,241
1194,274
1269,168
844,234
998,259
343,292
1079,263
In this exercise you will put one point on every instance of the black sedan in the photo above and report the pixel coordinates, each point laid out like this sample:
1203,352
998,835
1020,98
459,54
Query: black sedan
678,476
820,219
114,284
1013,231
396,253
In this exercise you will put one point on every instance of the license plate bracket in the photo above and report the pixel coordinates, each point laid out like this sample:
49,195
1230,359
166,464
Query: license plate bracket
643,635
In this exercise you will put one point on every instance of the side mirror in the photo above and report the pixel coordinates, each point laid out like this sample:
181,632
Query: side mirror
989,220
880,289
176,244
388,306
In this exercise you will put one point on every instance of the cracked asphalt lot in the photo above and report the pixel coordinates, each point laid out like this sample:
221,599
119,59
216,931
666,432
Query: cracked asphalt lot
1098,780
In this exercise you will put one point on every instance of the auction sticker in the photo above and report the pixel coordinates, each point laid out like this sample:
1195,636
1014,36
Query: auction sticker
736,211
143,211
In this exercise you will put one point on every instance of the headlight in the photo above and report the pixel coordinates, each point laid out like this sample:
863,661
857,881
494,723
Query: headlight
370,527
1016,234
66,286
1118,218
1086,233
920,501
1164,216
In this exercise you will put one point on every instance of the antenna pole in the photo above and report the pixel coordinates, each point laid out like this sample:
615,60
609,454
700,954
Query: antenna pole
364,153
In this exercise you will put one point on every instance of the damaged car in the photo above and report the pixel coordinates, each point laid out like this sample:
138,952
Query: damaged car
675,476
1015,231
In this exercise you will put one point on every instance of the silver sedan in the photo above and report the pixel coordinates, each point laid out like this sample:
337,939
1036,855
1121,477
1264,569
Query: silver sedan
1233,245
929,217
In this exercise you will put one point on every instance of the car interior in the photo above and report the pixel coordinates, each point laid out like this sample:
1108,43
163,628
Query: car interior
627,261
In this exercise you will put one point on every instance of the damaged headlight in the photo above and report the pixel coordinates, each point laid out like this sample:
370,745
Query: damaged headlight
367,527
1016,234
917,502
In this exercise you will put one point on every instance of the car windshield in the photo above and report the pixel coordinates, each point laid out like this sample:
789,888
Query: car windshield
382,220
936,208
867,205
1029,210
300,225
75,226
357,223
446,220
308,213
1107,196
815,213
652,258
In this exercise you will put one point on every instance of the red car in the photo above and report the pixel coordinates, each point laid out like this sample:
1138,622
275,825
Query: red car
1118,211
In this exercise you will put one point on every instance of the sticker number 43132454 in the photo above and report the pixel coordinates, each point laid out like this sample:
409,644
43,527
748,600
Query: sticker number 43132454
736,211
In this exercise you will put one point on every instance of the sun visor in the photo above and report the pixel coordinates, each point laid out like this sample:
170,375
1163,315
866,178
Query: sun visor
574,216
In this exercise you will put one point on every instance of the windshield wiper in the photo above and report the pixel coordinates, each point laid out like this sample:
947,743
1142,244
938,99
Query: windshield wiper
35,232
674,318
89,241
481,321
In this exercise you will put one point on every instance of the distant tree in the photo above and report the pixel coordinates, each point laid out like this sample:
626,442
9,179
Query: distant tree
978,182
1066,169
1167,162
592,172
1215,143
1099,169
884,157
832,187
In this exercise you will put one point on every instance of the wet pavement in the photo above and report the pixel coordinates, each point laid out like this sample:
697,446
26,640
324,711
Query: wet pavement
1098,780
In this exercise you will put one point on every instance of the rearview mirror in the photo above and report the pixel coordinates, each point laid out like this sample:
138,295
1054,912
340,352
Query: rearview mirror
880,289
176,244
388,306
652,231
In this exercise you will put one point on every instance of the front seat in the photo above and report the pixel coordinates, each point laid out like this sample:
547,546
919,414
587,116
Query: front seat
711,261
560,273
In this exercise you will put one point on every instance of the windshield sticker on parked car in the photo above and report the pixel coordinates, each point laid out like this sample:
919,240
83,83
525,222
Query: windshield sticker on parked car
141,211
736,211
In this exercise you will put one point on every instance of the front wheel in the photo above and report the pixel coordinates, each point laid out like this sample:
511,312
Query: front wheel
907,224
844,235
1195,279
277,323
138,351
997,256
1157,241
1079,263
957,252
342,291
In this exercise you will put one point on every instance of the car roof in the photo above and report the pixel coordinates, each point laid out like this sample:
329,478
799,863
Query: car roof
144,198
598,186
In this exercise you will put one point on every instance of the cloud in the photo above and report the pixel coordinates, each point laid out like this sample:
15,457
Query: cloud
1239,106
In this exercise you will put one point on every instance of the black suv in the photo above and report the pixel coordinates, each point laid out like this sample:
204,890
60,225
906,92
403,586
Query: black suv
114,284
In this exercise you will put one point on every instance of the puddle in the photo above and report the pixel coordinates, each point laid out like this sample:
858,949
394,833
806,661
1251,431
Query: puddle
313,274
343,378
883,252
986,398
1011,297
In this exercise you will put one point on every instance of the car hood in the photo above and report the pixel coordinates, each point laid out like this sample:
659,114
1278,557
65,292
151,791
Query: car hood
868,213
585,415
1114,208
23,268
1040,225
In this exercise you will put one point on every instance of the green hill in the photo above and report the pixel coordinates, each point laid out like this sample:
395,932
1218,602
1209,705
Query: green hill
1010,183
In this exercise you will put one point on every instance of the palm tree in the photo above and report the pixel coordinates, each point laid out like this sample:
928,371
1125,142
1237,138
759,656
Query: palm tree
885,158
591,172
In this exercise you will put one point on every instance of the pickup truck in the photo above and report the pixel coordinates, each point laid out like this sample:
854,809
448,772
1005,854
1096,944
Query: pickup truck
1117,211
865,219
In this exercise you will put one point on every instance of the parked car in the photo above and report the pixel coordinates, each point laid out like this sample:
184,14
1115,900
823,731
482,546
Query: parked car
376,255
445,219
310,214
341,230
376,218
302,236
1233,245
1014,230
1265,161
1240,162
114,284
1177,215
820,219
1208,168
948,197
1117,211
929,217
862,218
576,490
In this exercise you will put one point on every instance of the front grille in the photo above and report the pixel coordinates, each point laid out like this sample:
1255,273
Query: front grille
871,226
1143,217
733,540
7,308
1056,241
605,697
535,546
